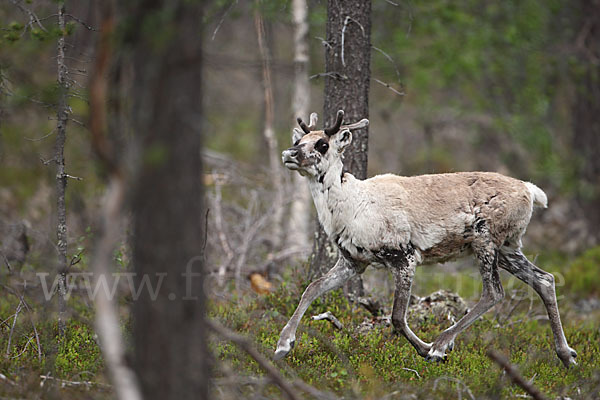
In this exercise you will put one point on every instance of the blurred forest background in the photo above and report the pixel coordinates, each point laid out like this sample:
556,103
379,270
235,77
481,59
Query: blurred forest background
511,86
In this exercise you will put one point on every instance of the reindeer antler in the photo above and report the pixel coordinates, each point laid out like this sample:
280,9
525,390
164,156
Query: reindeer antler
312,125
335,128
303,125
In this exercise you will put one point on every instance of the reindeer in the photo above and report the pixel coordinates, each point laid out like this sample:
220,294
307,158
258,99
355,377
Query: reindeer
399,222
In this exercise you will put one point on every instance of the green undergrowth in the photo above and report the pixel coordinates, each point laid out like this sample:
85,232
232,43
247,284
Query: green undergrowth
380,362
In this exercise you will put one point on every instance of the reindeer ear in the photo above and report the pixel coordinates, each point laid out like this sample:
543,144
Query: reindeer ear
342,139
296,135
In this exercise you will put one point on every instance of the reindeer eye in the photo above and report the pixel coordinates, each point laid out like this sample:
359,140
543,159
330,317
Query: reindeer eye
296,143
322,146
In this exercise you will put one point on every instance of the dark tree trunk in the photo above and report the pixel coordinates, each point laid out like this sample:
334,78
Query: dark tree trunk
61,175
586,116
347,66
169,330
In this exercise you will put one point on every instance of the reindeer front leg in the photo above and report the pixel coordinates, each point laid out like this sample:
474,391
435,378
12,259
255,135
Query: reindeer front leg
336,277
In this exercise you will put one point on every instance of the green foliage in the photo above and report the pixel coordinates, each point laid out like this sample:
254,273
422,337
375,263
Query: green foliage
379,362
498,59
77,351
583,275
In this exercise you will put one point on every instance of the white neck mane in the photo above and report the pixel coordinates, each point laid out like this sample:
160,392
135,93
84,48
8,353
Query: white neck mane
331,193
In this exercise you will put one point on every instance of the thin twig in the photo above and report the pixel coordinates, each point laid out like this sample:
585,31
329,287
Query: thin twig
324,42
24,348
88,27
233,3
6,261
66,383
515,376
32,16
387,85
329,317
265,364
346,22
12,328
458,382
40,138
335,75
412,370
30,310
390,59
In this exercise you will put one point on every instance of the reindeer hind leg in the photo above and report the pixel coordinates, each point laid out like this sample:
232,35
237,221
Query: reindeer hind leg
513,261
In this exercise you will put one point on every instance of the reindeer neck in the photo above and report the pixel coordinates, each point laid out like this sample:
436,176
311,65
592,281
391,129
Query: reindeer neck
329,190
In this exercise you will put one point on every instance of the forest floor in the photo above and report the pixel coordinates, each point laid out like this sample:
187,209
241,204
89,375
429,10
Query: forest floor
365,359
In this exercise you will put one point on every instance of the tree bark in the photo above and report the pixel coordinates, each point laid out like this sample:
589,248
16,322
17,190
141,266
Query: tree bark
110,224
171,357
269,132
347,69
61,175
586,140
299,229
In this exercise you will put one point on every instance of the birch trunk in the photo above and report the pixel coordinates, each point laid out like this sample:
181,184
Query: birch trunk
269,132
299,228
110,227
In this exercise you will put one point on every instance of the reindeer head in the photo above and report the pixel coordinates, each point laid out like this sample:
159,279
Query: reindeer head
314,151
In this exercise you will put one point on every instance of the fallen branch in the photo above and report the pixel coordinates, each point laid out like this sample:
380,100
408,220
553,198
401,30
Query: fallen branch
515,376
265,364
66,383
24,304
458,383
412,370
329,317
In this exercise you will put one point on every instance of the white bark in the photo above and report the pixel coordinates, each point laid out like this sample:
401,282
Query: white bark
269,134
300,219
107,321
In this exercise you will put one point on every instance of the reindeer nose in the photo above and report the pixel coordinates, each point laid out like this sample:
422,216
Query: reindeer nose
293,153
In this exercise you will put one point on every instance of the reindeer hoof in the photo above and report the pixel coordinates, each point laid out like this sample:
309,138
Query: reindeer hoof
436,356
568,357
283,351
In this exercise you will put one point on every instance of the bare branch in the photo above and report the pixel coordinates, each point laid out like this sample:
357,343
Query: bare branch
329,317
67,383
41,138
265,364
346,22
412,370
12,328
32,17
335,75
390,59
387,85
515,376
458,382
6,261
233,3
86,26
324,42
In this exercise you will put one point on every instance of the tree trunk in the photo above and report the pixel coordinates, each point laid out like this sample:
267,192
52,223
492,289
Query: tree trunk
110,224
61,175
586,116
299,228
347,68
171,357
269,133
